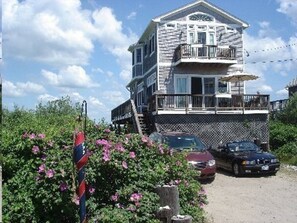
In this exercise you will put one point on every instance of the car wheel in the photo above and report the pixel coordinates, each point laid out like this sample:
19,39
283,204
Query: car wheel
236,170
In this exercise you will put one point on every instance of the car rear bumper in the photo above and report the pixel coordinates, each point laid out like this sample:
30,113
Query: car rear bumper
261,169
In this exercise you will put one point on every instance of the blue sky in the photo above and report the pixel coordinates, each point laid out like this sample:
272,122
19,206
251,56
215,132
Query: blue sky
54,48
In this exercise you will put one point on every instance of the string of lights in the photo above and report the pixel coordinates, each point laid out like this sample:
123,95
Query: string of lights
269,49
272,61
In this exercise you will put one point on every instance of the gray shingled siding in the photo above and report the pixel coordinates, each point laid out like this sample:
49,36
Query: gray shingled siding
150,60
213,129
167,35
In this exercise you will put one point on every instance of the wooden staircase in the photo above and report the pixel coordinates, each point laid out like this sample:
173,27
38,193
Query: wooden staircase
141,122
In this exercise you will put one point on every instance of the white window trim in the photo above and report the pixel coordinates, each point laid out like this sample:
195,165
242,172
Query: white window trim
135,55
153,36
201,28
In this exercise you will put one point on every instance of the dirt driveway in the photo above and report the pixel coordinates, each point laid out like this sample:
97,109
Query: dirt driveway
270,199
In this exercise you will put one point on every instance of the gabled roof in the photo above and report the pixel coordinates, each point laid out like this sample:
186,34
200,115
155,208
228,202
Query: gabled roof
207,5
196,3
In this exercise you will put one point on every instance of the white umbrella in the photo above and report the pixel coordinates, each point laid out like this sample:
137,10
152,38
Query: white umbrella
239,76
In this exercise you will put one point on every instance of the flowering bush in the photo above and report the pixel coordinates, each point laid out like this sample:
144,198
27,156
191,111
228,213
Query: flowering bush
121,174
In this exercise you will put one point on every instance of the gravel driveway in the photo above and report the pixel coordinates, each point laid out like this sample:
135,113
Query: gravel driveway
270,199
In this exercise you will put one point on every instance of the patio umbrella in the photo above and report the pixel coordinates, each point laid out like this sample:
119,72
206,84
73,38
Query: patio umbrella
238,76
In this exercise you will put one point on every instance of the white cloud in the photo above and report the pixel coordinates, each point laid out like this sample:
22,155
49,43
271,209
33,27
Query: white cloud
50,31
115,97
61,33
21,89
46,97
71,76
131,16
283,93
288,7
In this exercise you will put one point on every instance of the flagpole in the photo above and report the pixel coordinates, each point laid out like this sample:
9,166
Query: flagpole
80,159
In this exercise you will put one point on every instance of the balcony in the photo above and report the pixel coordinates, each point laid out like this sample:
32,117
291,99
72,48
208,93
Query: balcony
198,104
199,53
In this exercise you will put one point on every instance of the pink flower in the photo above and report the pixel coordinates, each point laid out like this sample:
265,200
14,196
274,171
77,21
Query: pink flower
41,168
132,155
63,186
106,155
161,149
91,190
115,197
119,147
41,136
124,165
32,136
177,182
50,173
35,149
75,199
104,143
25,135
136,197
144,139
107,130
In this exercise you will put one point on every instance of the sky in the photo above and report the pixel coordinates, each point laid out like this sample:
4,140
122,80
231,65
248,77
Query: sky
79,48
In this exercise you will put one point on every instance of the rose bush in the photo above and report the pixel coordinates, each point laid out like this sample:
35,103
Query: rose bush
121,174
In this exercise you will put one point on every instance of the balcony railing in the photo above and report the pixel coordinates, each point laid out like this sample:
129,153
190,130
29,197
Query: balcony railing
194,51
208,102
198,103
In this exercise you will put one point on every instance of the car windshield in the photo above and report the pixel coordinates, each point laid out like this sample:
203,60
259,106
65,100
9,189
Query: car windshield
243,146
184,142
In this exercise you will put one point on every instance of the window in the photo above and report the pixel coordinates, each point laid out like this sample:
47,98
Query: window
152,44
170,26
151,85
138,55
198,34
145,50
222,87
201,17
133,56
140,95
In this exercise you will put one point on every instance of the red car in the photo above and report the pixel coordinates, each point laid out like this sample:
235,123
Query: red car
198,156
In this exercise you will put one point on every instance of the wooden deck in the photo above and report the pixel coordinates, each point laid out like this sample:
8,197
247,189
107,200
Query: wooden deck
196,104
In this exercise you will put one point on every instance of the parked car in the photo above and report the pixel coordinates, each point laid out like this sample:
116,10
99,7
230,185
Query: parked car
245,157
197,154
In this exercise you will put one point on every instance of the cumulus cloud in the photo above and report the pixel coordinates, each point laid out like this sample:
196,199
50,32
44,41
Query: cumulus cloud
289,8
62,33
71,77
20,89
46,98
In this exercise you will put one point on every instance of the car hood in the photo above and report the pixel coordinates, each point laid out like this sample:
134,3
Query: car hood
199,156
254,155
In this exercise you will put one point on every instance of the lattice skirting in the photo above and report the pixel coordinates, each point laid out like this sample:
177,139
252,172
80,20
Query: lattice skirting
213,129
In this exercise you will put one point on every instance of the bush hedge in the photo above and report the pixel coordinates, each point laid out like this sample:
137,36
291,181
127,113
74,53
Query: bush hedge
121,174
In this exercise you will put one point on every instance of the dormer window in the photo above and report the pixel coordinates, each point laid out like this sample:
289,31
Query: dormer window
201,17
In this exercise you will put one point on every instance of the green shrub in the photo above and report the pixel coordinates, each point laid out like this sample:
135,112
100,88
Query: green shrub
288,153
281,134
121,174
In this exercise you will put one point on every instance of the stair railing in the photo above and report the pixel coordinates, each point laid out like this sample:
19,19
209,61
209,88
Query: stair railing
135,118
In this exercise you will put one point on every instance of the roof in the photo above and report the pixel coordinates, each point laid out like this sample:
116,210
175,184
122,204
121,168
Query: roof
207,5
196,3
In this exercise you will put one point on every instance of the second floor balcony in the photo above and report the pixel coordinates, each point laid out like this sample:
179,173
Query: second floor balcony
201,53
197,104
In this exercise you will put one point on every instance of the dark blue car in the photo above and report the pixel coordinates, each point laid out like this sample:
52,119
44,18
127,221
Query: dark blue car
245,157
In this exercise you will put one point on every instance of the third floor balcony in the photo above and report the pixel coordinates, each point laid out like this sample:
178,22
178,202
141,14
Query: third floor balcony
200,53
